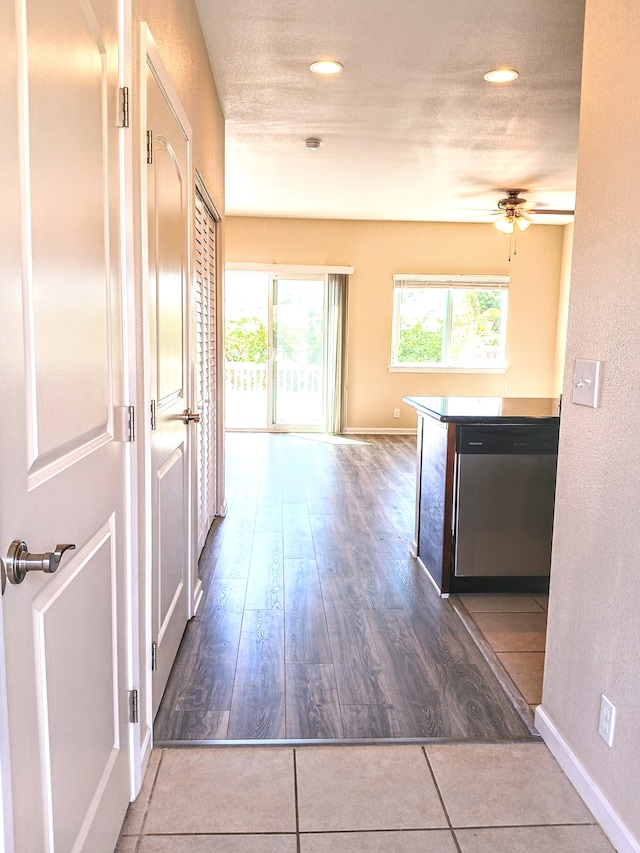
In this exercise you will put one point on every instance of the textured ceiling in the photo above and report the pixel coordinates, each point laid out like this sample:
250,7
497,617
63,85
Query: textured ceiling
410,130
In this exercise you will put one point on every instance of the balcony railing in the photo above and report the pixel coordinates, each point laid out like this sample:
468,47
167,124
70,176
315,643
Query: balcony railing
298,394
245,376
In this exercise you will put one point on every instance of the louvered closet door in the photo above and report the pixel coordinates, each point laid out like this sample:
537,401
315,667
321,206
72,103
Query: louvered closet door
205,305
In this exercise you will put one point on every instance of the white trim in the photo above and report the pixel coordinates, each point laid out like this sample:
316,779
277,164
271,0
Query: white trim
377,431
206,197
145,704
134,612
304,269
437,368
150,57
6,802
431,578
603,811
488,282
198,595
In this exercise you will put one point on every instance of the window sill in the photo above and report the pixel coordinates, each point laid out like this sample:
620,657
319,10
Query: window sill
414,368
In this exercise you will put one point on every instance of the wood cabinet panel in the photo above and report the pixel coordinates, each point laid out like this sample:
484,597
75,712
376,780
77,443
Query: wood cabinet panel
436,499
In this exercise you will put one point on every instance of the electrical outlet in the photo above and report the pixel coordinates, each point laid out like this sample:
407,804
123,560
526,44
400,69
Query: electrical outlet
396,413
607,720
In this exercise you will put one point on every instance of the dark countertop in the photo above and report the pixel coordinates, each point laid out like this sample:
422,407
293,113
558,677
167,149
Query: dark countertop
487,410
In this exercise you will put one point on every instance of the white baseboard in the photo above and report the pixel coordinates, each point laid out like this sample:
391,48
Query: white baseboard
377,431
198,595
610,821
429,576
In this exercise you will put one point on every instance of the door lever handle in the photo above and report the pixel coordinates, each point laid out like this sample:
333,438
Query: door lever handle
188,415
19,561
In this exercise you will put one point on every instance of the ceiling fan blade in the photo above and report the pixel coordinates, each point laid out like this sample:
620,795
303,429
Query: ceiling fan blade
479,211
539,210
485,215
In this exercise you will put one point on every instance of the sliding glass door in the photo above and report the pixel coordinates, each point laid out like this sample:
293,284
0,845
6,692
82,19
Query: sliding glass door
298,340
246,349
276,359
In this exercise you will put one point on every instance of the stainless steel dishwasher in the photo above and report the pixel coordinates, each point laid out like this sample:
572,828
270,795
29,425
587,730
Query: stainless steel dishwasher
503,500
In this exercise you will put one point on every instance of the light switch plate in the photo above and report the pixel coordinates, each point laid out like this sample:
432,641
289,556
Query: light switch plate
586,382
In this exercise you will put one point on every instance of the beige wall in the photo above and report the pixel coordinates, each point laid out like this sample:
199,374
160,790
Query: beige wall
176,31
563,305
377,250
594,622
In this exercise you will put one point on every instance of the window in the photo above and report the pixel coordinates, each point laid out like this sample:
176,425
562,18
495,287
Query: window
449,322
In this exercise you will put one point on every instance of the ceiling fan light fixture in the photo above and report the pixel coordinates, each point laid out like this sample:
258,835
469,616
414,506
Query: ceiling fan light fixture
504,224
522,223
501,75
326,66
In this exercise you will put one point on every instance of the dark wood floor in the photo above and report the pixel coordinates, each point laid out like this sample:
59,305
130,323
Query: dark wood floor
316,622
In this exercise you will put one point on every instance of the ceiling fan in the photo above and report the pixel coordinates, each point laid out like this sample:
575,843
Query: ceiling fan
517,212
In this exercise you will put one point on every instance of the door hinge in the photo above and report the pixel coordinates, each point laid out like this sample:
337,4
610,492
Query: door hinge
124,106
154,656
133,706
153,414
124,419
131,423
149,147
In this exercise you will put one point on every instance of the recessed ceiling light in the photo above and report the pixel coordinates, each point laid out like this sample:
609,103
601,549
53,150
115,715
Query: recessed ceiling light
313,143
325,66
501,75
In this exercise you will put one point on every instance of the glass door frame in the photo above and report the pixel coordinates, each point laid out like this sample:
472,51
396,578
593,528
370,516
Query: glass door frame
334,343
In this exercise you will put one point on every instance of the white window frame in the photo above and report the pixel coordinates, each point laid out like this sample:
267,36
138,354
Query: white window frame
449,283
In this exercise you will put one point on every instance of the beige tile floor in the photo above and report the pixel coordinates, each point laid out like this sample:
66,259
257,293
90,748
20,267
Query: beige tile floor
514,626
440,798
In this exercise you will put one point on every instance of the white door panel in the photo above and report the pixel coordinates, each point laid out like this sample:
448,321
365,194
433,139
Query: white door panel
63,474
168,193
84,706
67,176
171,536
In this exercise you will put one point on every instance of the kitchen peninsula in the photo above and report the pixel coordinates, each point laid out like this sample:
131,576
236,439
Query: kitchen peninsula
485,490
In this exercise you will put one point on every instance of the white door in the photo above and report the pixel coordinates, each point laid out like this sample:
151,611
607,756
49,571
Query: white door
63,465
169,184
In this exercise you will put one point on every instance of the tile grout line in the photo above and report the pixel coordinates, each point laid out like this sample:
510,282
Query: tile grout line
295,797
441,798
482,826
141,832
